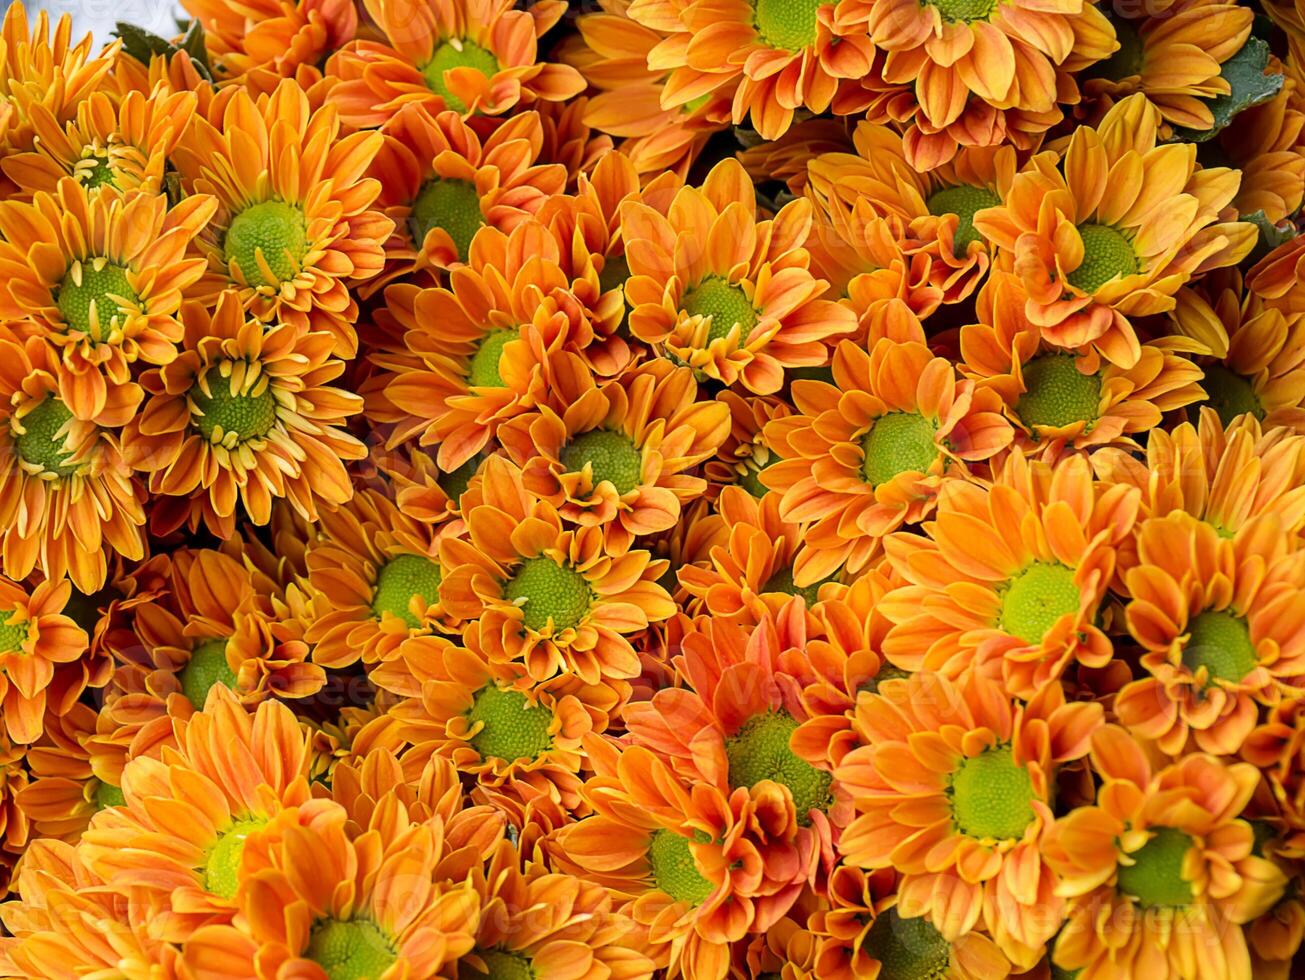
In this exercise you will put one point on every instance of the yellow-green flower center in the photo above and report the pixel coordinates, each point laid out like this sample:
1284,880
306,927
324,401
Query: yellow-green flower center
93,295
222,863
549,593
907,949
1229,394
483,368
1107,253
992,797
674,870
1221,643
964,11
456,53
399,580
964,201
222,412
453,205
499,965
1155,878
353,949
900,442
1057,393
725,303
514,728
275,230
41,443
1036,598
760,750
95,171
107,795
789,25
613,457
12,635
207,666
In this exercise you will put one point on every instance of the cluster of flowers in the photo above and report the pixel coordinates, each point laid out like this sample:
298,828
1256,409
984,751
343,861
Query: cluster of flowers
678,488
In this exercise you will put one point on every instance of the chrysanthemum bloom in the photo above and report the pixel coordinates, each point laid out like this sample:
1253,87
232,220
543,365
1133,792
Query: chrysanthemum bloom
478,352
257,42
1160,874
556,598
180,838
343,902
374,577
1275,938
68,923
732,297
243,416
1024,605
105,614
1276,748
1277,277
441,183
1112,230
15,827
569,140
124,144
868,453
471,56
101,277
611,51
1058,396
953,787
1223,630
68,500
1267,144
744,453
863,935
295,227
1172,54
783,57
617,456
36,639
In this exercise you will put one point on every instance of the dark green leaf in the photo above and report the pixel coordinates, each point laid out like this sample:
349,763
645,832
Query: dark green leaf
1244,71
141,44
192,42
1271,235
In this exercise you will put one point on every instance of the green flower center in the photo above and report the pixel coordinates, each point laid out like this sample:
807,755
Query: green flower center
992,797
12,635
1036,598
789,25
612,455
499,965
455,483
222,865
277,231
207,666
726,304
453,205
107,795
964,201
964,11
1107,252
354,949
95,171
549,593
40,443
455,53
1057,393
1221,643
1229,394
483,368
514,728
907,949
400,579
92,295
675,871
900,442
760,750
1155,878
221,412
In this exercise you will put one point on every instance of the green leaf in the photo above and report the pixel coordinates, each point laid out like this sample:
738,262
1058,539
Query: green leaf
1271,235
192,42
1244,71
142,45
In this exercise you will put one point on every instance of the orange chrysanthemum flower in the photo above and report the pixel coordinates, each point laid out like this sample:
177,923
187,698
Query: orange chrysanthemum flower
68,770
295,227
744,453
617,455
558,599
36,640
471,56
1276,748
868,452
1267,143
257,42
1160,874
1223,629
244,415
15,827
108,297
1113,229
730,296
